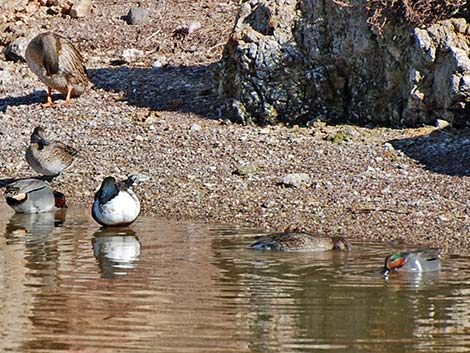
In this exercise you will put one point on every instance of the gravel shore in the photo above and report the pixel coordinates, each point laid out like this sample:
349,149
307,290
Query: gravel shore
160,116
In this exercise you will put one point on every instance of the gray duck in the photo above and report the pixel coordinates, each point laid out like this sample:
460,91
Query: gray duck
30,196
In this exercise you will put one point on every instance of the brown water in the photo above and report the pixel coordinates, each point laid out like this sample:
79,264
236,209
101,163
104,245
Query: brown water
162,286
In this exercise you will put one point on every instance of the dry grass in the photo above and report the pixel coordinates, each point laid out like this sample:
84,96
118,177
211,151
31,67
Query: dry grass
419,13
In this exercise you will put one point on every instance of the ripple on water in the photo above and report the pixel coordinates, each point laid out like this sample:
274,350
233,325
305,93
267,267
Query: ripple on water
163,286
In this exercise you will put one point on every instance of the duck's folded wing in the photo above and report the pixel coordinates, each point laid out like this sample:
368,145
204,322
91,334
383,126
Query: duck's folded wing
29,185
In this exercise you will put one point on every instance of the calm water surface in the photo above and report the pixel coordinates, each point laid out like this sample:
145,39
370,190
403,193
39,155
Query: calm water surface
160,286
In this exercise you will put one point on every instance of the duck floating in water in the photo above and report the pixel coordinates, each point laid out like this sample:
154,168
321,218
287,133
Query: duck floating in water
49,158
300,242
30,196
413,261
58,64
115,203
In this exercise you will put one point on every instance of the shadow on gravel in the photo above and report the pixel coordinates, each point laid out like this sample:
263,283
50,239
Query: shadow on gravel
32,98
173,88
444,151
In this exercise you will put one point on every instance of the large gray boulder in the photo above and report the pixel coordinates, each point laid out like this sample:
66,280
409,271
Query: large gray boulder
295,61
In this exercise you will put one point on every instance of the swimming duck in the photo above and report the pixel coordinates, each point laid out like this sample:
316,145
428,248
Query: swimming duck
30,196
48,158
300,241
58,64
115,203
413,261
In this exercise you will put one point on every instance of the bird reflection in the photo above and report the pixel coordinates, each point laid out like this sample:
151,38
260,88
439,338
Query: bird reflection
416,280
116,249
37,225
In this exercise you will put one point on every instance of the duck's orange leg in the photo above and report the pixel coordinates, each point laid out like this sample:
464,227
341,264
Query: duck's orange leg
49,102
69,94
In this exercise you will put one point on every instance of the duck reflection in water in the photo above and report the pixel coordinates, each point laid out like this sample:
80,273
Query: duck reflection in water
35,225
116,249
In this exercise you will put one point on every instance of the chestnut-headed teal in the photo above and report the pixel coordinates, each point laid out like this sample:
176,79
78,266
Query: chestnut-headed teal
413,261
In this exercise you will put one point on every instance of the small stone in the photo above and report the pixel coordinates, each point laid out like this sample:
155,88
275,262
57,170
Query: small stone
264,131
316,123
194,26
151,119
65,8
340,137
15,51
195,127
48,3
441,124
137,16
245,169
5,77
444,218
186,29
296,180
131,55
81,8
52,11
157,64
268,204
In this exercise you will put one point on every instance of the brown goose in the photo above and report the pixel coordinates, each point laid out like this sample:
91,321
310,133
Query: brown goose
58,64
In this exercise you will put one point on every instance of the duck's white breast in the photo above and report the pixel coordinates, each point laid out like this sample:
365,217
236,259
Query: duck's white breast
123,208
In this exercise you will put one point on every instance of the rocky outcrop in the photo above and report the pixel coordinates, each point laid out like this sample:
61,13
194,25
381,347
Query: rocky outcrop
17,21
297,61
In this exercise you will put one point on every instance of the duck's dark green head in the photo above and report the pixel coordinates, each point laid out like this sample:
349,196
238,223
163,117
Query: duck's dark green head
108,190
